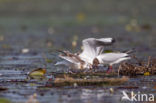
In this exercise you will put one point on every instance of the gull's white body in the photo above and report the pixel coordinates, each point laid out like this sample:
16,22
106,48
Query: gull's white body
112,58
92,48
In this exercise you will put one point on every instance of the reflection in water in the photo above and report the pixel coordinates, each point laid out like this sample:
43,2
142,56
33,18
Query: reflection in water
99,95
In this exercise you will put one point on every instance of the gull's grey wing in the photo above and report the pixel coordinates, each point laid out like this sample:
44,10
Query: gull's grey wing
110,57
103,42
93,47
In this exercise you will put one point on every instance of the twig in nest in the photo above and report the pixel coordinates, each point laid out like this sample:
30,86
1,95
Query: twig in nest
139,61
149,61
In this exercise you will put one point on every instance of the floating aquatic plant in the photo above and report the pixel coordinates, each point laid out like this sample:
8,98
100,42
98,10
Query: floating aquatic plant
69,81
37,73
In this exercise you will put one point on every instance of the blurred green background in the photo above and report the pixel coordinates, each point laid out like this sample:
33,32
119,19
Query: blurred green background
50,23
71,12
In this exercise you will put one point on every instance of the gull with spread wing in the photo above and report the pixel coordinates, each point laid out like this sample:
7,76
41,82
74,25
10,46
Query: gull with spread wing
92,48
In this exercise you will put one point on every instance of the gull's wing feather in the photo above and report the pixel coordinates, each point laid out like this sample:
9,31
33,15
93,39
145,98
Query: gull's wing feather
67,63
110,57
70,57
63,62
103,42
94,47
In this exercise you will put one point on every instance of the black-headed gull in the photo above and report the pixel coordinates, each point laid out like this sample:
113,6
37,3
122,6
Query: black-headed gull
92,48
110,59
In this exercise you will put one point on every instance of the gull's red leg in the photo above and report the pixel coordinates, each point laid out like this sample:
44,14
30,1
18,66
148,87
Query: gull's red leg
109,69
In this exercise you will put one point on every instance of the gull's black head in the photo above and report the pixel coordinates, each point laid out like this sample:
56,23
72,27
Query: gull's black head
96,62
113,40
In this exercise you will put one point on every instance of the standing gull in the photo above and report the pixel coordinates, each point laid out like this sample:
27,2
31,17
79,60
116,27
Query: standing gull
110,59
92,48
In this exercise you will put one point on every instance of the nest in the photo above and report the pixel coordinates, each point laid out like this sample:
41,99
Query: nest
139,68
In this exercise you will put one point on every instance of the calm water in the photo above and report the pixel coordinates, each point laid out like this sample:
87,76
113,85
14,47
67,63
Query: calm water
48,25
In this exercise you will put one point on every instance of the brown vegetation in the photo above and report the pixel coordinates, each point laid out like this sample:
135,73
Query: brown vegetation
140,68
69,81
